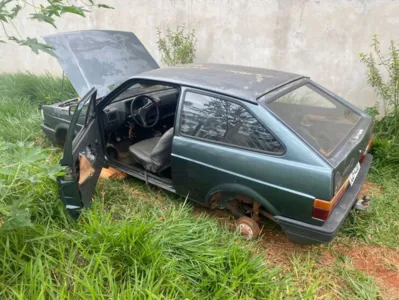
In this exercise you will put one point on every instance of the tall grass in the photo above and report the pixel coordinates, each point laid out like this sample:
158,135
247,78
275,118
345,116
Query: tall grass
102,257
20,119
39,89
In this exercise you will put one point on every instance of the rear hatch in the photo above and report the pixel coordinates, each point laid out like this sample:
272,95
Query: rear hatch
100,58
335,129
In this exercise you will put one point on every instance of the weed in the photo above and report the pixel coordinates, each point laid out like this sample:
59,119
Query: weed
383,75
177,47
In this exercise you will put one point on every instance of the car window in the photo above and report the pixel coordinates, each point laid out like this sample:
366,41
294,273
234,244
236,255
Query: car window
224,121
318,118
141,88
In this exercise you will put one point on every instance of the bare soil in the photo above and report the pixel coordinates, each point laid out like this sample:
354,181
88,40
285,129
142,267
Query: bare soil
371,189
381,263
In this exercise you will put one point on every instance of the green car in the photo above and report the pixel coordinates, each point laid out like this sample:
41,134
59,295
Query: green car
258,142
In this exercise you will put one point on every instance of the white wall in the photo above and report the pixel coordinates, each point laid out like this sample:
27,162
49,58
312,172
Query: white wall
317,38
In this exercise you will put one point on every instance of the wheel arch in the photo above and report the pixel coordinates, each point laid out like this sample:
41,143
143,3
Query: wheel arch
221,194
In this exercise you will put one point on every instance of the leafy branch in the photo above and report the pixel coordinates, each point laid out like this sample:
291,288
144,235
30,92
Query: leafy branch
47,13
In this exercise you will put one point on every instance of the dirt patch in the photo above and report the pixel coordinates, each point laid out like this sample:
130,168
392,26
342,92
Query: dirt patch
275,245
278,249
371,189
382,264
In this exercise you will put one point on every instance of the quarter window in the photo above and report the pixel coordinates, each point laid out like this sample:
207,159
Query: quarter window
223,121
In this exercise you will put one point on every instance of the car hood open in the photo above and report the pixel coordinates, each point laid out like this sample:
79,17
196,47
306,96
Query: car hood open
100,58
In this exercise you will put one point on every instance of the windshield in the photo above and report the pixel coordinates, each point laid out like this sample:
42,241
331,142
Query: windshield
320,120
141,88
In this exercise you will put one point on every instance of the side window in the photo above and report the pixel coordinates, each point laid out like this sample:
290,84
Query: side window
223,121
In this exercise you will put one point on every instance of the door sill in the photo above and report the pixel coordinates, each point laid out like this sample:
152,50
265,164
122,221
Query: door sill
144,175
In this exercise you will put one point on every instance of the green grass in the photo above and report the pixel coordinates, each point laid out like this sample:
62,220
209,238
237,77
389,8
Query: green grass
136,243
43,89
12,112
380,224
173,257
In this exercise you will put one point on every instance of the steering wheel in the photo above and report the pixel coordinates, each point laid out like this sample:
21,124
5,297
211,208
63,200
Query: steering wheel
139,114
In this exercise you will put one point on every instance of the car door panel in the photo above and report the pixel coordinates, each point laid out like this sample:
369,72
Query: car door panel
83,158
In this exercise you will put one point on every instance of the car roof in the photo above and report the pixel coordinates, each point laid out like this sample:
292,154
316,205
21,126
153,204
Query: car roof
243,82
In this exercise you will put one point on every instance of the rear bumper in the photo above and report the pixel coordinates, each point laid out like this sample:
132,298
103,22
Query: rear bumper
49,132
304,233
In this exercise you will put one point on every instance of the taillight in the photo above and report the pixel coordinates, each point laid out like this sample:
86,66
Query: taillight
320,213
322,209
367,150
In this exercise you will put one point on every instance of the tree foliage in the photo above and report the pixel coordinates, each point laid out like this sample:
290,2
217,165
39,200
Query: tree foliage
177,47
48,13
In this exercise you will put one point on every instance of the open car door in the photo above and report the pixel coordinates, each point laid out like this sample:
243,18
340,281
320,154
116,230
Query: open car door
83,157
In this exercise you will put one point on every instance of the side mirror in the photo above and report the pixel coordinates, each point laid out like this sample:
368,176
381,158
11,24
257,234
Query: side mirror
71,109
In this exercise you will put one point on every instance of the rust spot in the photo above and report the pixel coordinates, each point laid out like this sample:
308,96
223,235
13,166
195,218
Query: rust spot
214,200
244,199
255,211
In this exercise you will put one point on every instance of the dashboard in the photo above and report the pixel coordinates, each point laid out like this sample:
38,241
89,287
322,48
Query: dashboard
118,113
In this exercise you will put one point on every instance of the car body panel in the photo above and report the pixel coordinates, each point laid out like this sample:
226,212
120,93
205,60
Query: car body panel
304,233
241,82
57,117
100,58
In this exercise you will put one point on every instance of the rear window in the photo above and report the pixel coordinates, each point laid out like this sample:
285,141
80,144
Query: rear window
319,119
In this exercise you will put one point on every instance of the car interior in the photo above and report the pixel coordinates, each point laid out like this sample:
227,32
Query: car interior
138,127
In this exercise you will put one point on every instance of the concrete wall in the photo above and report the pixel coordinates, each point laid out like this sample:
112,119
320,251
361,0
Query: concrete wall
318,38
